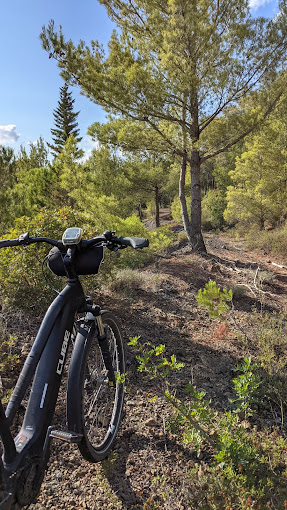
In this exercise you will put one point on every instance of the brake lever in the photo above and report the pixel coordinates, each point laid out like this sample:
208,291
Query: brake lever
114,247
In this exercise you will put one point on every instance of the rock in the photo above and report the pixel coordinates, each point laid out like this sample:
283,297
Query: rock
151,422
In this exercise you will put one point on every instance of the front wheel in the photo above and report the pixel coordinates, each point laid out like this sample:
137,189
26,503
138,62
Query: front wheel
97,411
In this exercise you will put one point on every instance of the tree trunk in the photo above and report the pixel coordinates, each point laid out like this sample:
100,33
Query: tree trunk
140,213
157,199
197,241
182,199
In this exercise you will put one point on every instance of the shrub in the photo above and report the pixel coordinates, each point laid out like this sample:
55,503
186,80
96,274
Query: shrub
126,281
214,299
9,361
273,242
248,467
213,205
21,280
175,210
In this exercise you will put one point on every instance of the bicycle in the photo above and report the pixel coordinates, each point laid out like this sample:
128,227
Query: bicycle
95,389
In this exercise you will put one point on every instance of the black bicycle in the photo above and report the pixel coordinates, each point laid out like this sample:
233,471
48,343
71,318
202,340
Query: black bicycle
95,388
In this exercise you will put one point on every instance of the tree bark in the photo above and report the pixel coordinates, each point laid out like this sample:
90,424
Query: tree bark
157,199
182,199
140,213
197,241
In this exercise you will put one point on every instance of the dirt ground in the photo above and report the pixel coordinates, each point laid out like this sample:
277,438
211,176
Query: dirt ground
149,466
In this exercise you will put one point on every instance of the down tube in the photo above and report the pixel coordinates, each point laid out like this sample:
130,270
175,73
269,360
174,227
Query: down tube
44,392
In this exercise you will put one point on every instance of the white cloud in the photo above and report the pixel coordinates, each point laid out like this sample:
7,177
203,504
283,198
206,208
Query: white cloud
88,145
8,134
255,4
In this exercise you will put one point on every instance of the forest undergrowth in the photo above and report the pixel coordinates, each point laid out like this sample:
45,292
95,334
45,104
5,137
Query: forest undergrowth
204,425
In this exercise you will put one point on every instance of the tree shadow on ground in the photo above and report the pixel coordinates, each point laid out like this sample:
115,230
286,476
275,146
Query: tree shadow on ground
137,448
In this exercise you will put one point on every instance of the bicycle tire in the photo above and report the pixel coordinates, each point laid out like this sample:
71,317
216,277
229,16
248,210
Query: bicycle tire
98,408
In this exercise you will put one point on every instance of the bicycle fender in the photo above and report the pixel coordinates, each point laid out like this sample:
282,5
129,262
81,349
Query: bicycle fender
74,378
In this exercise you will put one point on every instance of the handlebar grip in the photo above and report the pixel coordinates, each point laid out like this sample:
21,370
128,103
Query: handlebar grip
134,242
5,243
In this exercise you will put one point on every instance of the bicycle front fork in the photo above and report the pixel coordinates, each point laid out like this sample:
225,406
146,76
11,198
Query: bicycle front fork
94,312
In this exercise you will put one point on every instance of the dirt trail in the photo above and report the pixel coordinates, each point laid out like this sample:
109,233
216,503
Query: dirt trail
148,467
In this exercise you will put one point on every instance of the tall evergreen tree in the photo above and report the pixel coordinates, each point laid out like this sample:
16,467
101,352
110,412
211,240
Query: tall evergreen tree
65,122
7,180
174,68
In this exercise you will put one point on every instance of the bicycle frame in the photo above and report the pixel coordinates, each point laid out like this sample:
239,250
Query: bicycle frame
46,360
25,457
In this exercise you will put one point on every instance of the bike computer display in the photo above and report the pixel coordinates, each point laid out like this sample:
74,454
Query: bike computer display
72,236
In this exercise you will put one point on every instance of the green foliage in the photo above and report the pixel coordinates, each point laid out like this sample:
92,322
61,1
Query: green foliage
71,178
220,487
272,242
9,361
27,189
214,299
7,180
32,191
247,465
21,280
37,157
107,175
151,359
258,191
246,385
192,417
213,206
159,240
175,210
65,122
120,378
148,84
271,343
33,180
8,358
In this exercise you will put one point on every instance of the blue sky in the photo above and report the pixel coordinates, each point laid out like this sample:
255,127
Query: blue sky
30,82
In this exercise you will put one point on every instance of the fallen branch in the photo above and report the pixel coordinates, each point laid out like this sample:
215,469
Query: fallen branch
278,265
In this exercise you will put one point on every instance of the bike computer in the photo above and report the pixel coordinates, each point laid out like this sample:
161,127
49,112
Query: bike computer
72,236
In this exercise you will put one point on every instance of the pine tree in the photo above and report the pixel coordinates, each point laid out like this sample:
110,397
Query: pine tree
65,122
173,68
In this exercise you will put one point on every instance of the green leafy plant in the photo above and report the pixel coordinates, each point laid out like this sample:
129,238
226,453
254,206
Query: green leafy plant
9,361
214,299
21,279
152,361
246,385
248,466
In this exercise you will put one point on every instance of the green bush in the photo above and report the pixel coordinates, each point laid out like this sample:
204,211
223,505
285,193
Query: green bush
175,210
21,279
273,242
214,299
213,205
9,362
244,467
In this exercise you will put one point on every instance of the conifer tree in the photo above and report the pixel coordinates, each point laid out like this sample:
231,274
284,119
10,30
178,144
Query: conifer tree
65,122
173,68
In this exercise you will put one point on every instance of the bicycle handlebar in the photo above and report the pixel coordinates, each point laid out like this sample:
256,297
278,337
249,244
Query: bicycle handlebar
108,239
24,241
134,242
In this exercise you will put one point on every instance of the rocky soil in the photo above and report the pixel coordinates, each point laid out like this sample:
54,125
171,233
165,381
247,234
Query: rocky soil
149,465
